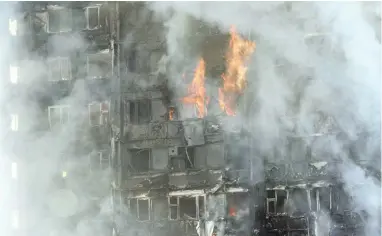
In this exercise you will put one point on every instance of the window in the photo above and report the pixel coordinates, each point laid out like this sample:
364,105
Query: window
186,207
59,69
141,160
184,159
172,113
58,115
92,16
12,27
14,170
320,199
14,122
140,111
13,74
160,208
140,209
59,21
173,204
98,113
99,160
99,65
276,200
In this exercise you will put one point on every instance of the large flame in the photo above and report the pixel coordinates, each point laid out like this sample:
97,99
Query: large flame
196,91
234,81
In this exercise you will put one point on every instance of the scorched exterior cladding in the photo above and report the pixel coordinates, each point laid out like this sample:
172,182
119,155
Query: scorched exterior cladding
169,175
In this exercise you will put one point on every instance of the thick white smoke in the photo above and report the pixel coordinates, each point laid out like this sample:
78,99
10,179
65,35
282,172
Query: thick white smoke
311,59
38,203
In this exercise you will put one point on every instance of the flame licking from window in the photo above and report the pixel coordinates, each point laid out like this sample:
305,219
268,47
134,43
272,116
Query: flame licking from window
234,81
197,92
171,112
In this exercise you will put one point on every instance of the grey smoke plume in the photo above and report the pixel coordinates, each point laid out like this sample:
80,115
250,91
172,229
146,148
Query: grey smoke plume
43,204
311,59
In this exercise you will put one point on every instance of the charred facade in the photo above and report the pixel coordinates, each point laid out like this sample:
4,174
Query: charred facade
99,64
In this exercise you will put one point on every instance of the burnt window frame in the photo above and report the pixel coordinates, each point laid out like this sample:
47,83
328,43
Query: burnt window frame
134,118
103,113
274,200
136,215
98,17
61,108
154,216
177,205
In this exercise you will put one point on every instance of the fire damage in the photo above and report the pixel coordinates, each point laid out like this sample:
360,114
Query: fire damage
176,169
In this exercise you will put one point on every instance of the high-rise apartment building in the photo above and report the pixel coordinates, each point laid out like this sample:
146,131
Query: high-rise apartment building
101,143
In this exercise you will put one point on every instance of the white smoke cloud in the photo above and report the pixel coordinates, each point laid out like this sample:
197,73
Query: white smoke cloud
330,64
44,204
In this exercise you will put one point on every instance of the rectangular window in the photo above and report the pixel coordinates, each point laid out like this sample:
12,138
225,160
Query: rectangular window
187,207
99,160
12,24
143,210
98,113
14,122
174,205
276,200
141,160
92,16
184,159
58,115
140,111
160,208
60,20
139,209
59,69
13,74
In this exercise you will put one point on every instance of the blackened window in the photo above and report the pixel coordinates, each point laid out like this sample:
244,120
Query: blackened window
187,207
143,210
140,111
93,17
140,160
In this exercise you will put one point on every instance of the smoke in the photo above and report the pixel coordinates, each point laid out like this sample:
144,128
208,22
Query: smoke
54,190
316,69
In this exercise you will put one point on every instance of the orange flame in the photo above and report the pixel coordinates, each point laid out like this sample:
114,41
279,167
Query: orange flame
234,81
171,112
197,92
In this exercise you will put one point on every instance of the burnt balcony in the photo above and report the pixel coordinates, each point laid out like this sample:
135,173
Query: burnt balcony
155,134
